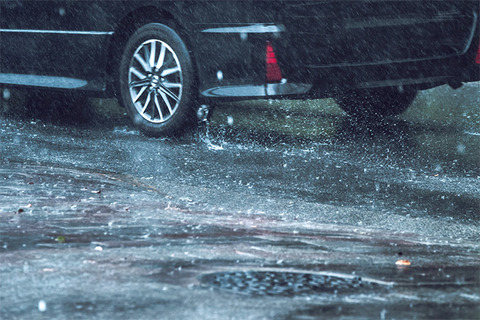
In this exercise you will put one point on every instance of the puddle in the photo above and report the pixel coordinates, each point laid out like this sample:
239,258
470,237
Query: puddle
288,283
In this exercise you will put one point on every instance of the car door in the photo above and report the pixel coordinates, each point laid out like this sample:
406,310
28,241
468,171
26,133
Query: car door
54,43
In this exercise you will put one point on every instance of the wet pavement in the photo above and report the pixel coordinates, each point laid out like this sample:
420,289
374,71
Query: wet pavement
276,210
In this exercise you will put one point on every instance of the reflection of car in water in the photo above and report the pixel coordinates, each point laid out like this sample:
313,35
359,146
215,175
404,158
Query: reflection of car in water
161,59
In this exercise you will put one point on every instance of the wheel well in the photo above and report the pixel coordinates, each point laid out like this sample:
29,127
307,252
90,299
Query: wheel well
125,28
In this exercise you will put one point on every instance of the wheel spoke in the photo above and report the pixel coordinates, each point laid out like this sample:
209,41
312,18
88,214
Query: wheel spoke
139,94
147,102
172,85
167,102
169,71
137,73
140,83
146,52
161,58
169,93
152,53
144,64
159,109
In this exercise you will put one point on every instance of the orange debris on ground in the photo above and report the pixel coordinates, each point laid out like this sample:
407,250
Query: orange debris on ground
403,263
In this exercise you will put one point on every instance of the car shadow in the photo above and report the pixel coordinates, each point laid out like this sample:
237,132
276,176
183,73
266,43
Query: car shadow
54,108
62,109
320,128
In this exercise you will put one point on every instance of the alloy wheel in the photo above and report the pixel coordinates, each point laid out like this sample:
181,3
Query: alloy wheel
155,81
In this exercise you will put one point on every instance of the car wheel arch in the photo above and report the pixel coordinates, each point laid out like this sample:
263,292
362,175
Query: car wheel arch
126,27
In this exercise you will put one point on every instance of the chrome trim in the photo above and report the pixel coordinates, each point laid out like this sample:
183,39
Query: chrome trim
93,33
236,91
263,90
42,81
280,89
253,28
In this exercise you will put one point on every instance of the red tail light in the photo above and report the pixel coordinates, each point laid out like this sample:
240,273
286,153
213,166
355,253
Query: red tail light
273,72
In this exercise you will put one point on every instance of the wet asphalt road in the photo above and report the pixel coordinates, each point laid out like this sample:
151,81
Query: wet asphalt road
274,211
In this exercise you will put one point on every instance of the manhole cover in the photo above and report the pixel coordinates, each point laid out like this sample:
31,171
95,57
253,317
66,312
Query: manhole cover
286,283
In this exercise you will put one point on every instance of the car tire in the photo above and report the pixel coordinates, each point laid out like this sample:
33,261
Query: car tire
156,81
376,103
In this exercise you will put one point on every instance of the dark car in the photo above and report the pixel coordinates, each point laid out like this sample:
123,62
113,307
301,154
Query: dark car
163,59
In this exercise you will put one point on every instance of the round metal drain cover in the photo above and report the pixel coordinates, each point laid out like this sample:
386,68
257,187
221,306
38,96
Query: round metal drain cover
284,283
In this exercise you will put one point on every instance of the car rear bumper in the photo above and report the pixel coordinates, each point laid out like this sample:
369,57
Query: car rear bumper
239,73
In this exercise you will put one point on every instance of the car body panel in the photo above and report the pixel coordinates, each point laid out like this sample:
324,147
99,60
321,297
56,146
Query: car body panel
320,45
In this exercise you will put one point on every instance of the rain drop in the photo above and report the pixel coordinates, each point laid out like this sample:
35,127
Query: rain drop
383,314
461,148
6,94
42,306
